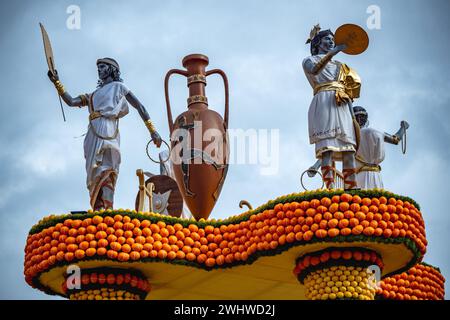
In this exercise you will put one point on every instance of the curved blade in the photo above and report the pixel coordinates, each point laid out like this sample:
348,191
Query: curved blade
48,49
50,61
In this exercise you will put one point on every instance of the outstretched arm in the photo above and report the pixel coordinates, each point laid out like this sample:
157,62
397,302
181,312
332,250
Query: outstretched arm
79,101
398,136
134,101
315,68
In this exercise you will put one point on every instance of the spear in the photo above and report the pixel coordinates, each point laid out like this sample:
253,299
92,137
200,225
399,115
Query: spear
50,60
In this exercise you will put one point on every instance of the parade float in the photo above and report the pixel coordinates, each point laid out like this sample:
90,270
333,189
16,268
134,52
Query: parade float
326,244
311,245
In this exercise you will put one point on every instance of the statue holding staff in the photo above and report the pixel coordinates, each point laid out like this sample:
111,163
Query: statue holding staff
107,104
371,150
331,123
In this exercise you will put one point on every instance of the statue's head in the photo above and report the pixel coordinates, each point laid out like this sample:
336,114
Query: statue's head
322,42
108,68
361,116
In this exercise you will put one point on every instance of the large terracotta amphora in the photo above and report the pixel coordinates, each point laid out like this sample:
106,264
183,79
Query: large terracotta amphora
199,139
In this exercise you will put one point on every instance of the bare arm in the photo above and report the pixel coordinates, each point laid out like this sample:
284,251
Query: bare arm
398,136
134,101
315,68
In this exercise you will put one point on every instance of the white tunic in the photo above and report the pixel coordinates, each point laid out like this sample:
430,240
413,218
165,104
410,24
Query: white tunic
104,154
330,126
371,150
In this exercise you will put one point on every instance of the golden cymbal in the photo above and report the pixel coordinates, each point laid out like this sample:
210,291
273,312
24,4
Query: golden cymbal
353,36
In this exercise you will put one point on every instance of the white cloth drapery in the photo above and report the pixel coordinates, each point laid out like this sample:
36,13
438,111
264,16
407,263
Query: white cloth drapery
330,126
103,155
371,150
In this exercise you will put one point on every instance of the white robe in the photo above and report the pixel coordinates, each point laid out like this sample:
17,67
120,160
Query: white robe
330,126
371,150
104,154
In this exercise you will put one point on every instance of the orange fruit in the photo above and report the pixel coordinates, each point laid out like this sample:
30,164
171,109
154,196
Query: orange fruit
308,235
190,256
134,255
347,255
210,262
137,247
346,231
325,201
311,212
357,230
126,248
102,243
101,251
90,252
97,219
334,207
79,254
333,232
72,247
336,199
343,223
339,215
355,207
333,223
321,233
69,256
327,216
123,256
344,206
112,254
336,254
118,225
368,231
317,217
201,258
162,254
111,238
180,255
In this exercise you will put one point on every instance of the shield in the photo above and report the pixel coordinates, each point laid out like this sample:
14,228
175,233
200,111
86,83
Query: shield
354,37
167,198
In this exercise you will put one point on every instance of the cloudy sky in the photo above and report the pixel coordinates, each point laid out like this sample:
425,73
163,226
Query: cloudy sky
260,45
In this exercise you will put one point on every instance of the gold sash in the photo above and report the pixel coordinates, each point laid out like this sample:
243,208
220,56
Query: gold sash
367,166
347,85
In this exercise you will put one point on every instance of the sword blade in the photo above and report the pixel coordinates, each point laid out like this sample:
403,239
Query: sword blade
50,60
47,49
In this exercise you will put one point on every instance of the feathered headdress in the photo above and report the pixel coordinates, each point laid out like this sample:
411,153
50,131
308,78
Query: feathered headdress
314,31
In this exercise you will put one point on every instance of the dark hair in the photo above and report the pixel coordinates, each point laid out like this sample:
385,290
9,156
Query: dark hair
316,40
114,73
362,113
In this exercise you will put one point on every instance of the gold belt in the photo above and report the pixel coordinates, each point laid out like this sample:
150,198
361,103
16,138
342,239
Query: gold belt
341,94
329,86
94,115
376,168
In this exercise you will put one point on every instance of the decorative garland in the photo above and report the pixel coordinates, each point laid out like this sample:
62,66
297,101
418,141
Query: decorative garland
331,257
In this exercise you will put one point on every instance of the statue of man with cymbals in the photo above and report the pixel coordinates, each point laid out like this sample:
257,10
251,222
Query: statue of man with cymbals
331,123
